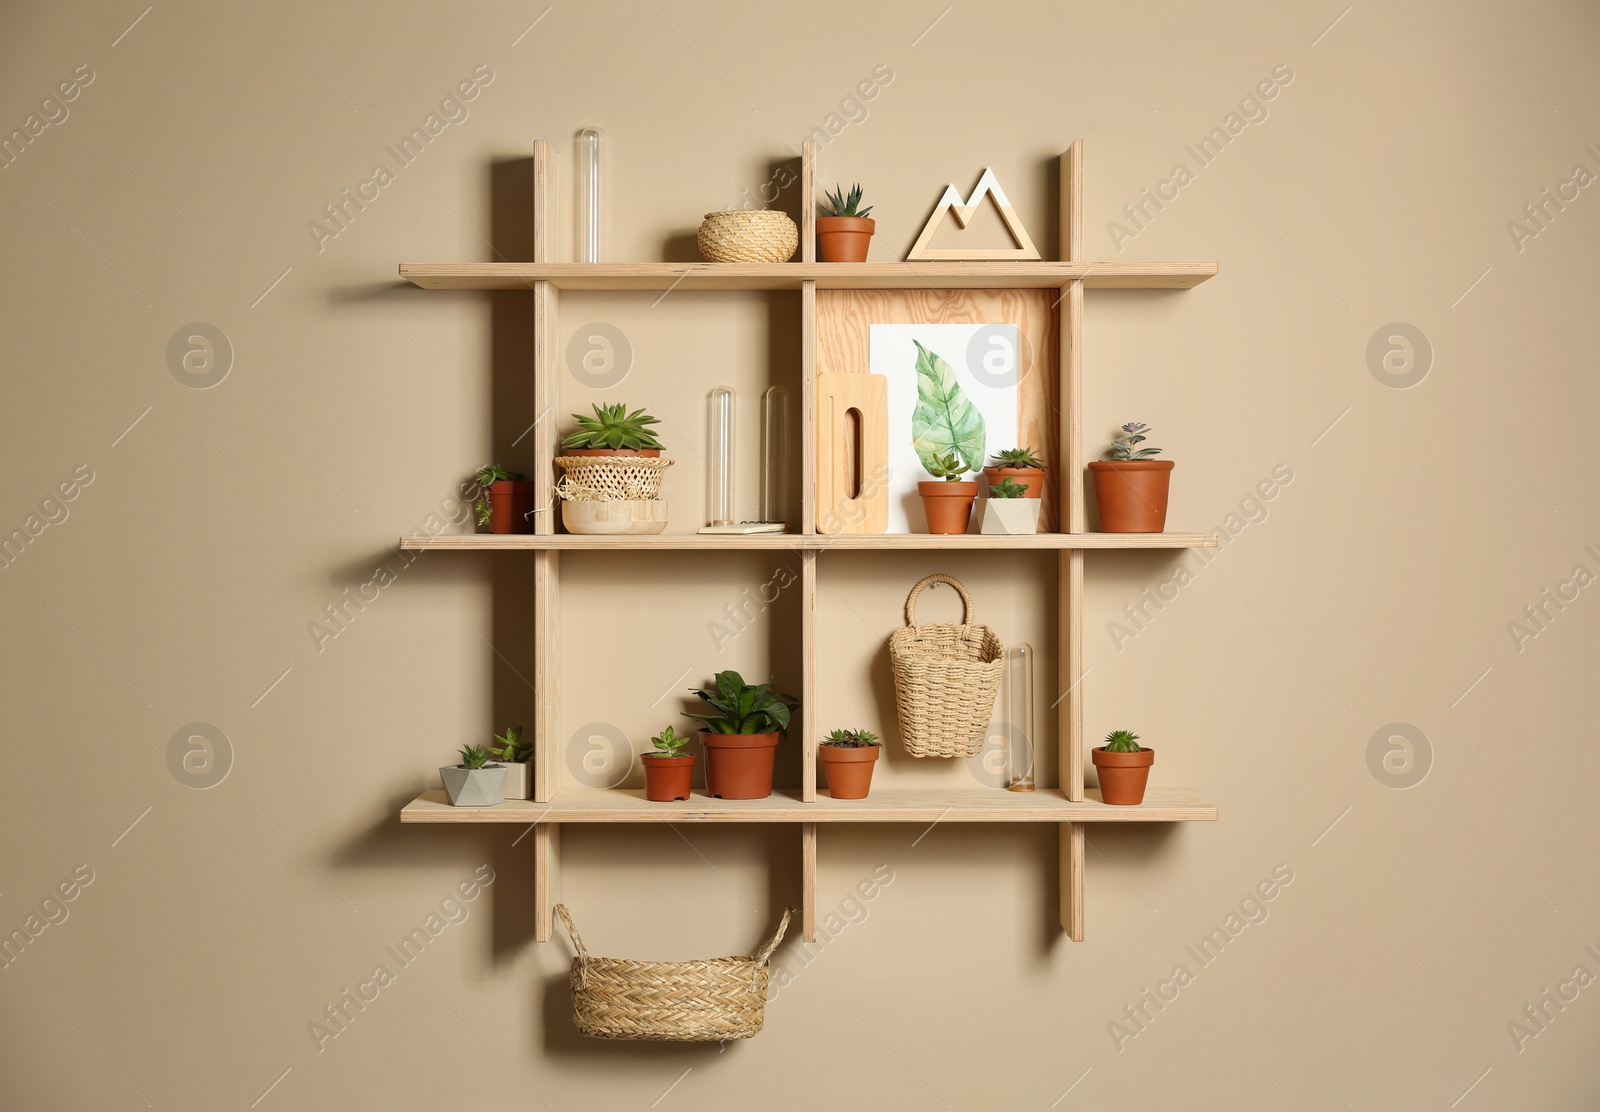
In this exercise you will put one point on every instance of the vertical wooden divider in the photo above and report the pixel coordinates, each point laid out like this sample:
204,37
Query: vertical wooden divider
809,721
1070,654
547,564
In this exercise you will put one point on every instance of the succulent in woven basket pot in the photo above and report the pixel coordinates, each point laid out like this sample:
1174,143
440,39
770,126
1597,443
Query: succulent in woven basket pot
740,734
668,770
847,758
1131,485
505,500
1124,768
614,431
844,232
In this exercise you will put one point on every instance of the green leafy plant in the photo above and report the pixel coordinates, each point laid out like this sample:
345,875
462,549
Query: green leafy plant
511,747
1019,457
743,708
1007,488
1122,741
492,473
1125,447
945,421
612,426
669,743
838,204
851,739
946,467
474,756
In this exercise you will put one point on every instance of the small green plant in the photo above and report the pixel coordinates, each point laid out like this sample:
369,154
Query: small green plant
1019,457
851,739
1122,741
474,756
511,747
1007,488
947,467
492,473
612,426
743,708
1124,447
669,743
840,204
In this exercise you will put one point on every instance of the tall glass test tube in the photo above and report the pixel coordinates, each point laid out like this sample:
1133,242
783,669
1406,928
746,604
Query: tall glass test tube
1018,695
775,454
587,212
719,457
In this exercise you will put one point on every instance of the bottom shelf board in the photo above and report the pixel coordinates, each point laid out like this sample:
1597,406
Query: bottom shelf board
619,805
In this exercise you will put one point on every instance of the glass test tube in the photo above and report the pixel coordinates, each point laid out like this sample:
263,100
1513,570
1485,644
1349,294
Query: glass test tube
1018,695
719,457
587,214
775,454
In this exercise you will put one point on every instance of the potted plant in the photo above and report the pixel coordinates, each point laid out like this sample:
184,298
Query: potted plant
947,501
740,735
844,233
613,431
1008,511
1021,465
1131,485
613,470
847,759
505,500
510,750
474,782
668,770
1123,767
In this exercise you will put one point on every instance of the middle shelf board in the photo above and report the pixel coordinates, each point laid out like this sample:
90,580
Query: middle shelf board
628,805
495,542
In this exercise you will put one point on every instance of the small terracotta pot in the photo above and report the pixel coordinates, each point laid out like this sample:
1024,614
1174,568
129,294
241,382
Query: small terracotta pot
844,239
739,766
510,506
652,453
1132,494
848,769
667,778
1123,775
1031,479
948,505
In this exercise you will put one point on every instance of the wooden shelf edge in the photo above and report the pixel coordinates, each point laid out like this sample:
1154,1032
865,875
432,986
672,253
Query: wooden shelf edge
891,542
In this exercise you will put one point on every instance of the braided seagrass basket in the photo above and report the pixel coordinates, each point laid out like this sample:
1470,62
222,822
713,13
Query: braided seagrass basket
748,236
946,678
611,478
669,1001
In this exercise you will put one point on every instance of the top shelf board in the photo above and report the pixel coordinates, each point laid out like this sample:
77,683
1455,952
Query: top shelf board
789,276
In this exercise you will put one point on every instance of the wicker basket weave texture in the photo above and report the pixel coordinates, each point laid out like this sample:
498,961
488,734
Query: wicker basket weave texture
946,678
748,236
670,1001
611,478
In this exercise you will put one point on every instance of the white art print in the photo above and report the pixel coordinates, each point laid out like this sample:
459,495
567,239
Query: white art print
983,359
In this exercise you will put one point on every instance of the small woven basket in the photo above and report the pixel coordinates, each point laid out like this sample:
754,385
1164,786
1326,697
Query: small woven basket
611,478
669,1001
946,678
748,236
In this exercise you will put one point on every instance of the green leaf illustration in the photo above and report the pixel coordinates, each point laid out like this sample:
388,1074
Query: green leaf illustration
945,419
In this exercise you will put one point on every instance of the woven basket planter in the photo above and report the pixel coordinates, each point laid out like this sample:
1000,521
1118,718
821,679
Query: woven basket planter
748,236
946,678
611,478
669,1001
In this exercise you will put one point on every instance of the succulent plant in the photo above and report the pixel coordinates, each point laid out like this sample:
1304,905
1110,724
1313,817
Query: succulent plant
612,426
851,739
948,467
474,756
1007,488
743,708
669,743
1123,447
511,747
839,203
1122,741
488,474
1019,457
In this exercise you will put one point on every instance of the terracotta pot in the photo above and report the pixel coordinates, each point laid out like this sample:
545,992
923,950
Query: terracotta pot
739,766
652,453
848,769
844,239
667,778
948,505
1123,775
510,506
1031,479
1132,494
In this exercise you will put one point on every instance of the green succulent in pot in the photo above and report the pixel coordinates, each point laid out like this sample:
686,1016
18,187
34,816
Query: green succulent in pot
741,733
614,428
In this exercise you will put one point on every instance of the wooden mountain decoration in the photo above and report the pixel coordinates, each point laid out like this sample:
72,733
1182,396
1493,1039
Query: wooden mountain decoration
952,201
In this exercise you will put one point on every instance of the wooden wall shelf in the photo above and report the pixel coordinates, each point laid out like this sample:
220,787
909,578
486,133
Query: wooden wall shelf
838,302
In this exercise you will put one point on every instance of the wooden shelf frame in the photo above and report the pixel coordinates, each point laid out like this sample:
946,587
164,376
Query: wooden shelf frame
1068,806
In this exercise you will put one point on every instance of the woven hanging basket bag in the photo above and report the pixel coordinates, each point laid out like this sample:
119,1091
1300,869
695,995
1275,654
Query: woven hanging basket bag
611,478
748,236
670,1001
946,678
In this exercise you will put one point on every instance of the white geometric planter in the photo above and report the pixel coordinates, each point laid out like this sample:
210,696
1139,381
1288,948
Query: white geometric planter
474,787
519,780
1015,516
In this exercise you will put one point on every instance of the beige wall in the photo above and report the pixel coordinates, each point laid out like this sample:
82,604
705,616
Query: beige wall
182,582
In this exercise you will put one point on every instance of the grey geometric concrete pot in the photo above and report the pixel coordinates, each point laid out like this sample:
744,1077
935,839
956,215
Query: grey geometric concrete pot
1016,516
519,780
474,787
